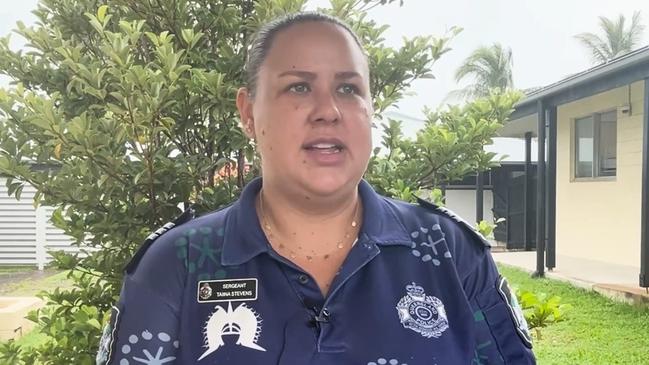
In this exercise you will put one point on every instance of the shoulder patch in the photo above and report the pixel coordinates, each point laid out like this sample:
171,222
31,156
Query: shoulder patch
107,342
185,217
449,213
515,311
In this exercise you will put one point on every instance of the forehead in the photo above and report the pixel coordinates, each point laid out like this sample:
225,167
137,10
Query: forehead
313,46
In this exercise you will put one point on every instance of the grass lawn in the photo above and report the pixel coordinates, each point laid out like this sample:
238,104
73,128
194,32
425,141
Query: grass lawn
8,270
28,281
596,330
34,284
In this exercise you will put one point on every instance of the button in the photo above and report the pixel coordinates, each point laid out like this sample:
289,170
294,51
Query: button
321,317
303,279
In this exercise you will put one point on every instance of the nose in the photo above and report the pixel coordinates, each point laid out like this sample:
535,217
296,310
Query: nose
325,108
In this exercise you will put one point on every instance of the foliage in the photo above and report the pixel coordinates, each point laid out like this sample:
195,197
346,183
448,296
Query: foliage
11,353
487,228
449,147
616,40
540,310
490,68
122,115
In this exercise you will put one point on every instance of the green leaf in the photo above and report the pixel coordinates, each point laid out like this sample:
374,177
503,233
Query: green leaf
94,323
101,13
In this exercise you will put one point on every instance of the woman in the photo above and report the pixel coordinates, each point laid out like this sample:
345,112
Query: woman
310,265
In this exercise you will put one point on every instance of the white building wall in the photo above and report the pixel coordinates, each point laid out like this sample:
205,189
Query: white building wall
26,233
462,202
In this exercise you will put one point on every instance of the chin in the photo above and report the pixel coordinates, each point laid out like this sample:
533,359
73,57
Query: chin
324,184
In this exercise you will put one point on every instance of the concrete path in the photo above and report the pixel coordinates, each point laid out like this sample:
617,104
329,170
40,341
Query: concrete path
615,281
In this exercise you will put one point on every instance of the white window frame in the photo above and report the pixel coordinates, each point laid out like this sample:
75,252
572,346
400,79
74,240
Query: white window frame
596,150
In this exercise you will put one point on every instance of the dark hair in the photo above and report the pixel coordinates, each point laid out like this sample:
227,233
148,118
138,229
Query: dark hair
263,39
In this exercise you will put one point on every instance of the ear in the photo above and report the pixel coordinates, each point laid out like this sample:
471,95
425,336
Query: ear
244,105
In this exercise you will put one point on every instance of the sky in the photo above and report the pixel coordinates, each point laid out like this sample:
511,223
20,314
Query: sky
539,32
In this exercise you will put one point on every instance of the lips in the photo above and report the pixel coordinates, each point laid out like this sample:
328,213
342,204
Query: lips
324,145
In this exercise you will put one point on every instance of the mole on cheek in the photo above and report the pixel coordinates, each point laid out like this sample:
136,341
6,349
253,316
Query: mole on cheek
307,197
270,148
303,161
263,132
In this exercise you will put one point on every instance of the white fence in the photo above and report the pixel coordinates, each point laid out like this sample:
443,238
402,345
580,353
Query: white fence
26,233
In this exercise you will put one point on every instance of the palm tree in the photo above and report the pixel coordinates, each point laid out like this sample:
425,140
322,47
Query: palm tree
490,68
616,40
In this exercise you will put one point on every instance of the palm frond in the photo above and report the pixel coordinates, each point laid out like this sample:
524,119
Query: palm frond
636,29
617,38
596,45
489,67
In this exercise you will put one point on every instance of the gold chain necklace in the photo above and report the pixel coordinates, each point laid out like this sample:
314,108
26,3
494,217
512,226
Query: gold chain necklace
340,244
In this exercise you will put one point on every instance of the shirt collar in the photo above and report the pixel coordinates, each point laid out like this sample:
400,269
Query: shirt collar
244,238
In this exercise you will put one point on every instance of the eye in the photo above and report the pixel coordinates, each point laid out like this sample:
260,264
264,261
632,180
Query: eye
348,89
299,88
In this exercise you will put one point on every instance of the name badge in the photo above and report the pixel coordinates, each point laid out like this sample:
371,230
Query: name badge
232,290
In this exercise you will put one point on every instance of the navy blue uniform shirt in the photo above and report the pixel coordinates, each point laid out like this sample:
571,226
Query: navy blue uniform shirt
418,288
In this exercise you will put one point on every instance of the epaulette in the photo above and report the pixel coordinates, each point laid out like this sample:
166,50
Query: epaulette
449,213
186,216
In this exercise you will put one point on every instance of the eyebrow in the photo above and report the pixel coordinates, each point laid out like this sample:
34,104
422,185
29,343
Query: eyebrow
347,75
311,75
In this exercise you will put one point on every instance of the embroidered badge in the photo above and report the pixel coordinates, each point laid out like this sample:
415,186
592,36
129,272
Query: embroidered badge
447,212
106,343
422,313
205,291
149,348
243,322
429,241
515,310
232,290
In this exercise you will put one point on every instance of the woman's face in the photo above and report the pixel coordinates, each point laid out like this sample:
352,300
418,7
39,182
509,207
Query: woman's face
311,112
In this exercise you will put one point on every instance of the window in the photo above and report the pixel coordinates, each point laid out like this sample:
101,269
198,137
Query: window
595,145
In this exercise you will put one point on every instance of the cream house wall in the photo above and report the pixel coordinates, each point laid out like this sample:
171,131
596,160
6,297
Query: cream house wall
599,219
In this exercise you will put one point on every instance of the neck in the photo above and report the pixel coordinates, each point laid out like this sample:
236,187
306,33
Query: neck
307,206
315,224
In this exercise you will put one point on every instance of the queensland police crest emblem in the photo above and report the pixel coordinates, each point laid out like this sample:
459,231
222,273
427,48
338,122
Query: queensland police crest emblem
422,313
205,291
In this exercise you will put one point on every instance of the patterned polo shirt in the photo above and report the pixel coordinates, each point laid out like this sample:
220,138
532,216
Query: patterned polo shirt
419,288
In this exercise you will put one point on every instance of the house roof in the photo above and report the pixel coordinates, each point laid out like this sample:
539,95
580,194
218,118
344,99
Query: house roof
641,55
617,72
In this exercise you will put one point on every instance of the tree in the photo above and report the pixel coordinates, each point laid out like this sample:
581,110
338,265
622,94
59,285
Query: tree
490,68
121,115
617,39
449,147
